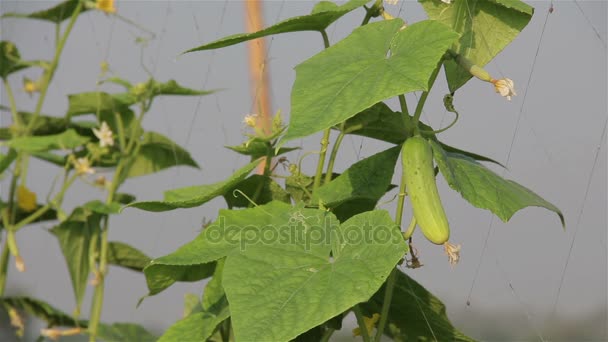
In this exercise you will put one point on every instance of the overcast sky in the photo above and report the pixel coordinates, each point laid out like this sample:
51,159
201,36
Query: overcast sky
557,138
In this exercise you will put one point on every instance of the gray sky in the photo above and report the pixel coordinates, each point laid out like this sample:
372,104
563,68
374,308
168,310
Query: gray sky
561,124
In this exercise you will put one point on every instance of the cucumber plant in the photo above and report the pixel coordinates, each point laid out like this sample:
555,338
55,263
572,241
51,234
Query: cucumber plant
292,254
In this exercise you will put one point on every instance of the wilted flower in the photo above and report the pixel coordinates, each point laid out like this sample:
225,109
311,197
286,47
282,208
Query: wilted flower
16,321
105,5
453,252
505,87
30,86
104,134
26,199
370,324
19,263
54,333
83,166
101,181
251,120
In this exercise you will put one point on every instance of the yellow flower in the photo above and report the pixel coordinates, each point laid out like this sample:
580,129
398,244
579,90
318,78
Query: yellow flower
251,120
26,199
19,263
505,87
16,321
30,86
83,166
370,324
104,66
453,252
106,6
104,134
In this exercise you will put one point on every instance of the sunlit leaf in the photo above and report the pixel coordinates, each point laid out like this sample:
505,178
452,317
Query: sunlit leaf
56,14
375,62
194,196
65,141
124,332
322,16
485,189
157,153
485,27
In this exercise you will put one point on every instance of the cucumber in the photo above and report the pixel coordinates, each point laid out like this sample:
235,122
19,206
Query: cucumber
417,158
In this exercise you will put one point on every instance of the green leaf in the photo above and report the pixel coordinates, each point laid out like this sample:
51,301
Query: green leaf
415,314
266,189
7,159
368,179
74,237
377,61
324,14
194,196
475,156
124,255
196,327
56,14
292,257
160,276
42,310
172,88
94,102
10,59
292,288
257,149
192,304
485,189
49,215
124,332
214,297
485,27
157,153
103,208
378,122
66,140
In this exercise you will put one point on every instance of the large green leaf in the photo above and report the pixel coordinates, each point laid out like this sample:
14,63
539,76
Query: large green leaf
414,314
10,59
94,102
196,327
56,14
194,196
296,267
485,28
321,17
65,141
42,310
124,332
157,153
124,255
257,188
375,62
74,237
380,122
368,179
485,189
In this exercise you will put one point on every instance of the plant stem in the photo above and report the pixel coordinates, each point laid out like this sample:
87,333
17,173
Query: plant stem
48,74
4,259
324,140
386,304
327,335
11,101
332,157
361,322
99,288
321,163
423,98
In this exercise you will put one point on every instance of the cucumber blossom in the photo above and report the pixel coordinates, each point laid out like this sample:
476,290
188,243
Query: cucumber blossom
417,158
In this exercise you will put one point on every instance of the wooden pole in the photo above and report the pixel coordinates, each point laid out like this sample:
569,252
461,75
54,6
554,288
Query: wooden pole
258,69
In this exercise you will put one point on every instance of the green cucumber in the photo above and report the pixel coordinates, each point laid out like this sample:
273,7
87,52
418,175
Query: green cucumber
417,158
